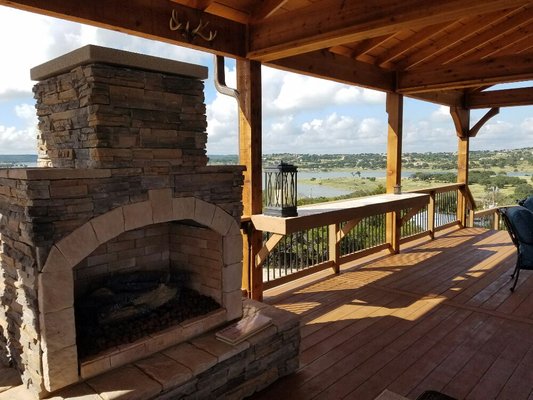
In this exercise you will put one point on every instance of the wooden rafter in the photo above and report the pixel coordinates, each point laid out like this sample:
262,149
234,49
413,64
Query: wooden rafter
143,19
338,68
303,30
516,42
455,33
266,9
495,70
500,98
407,44
369,44
509,23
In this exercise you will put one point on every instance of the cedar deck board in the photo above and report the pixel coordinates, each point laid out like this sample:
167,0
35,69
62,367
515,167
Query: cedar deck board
439,315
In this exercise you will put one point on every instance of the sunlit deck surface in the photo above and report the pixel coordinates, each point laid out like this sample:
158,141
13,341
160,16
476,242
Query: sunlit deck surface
438,316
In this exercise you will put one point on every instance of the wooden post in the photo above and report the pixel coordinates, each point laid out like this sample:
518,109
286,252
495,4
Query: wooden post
250,152
334,246
394,164
431,215
461,119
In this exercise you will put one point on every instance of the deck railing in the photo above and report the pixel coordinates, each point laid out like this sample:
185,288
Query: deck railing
488,219
307,251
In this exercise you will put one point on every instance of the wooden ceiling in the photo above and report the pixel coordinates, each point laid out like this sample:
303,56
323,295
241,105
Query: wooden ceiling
446,51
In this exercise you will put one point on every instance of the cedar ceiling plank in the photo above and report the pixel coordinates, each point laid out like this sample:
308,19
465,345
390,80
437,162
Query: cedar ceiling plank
324,64
460,30
500,98
146,19
335,22
481,72
406,44
511,23
266,8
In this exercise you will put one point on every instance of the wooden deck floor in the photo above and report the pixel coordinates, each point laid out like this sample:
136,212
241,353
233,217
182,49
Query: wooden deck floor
438,316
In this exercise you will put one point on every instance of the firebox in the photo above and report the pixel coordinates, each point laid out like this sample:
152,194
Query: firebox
123,242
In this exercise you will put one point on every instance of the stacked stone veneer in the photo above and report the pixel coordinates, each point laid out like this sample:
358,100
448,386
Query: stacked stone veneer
137,139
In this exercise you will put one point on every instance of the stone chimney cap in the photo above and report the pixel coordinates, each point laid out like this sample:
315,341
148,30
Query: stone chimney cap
96,54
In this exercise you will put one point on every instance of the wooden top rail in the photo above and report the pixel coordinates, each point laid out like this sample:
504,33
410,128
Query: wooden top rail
334,212
440,189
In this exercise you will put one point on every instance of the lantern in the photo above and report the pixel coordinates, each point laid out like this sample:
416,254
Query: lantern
280,190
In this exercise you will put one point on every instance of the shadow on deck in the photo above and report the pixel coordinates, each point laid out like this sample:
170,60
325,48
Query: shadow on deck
438,316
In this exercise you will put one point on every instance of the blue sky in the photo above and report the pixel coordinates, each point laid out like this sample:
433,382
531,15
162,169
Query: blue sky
300,114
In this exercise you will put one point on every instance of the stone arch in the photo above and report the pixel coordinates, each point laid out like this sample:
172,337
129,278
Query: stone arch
56,281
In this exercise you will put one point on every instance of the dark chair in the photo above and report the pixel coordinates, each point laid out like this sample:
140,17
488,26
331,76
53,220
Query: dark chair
519,223
527,202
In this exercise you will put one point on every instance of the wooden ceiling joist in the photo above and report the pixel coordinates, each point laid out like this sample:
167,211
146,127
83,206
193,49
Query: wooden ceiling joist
500,98
338,68
303,30
495,70
145,19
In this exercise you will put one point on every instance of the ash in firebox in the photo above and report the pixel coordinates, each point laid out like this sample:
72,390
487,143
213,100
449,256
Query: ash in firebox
131,306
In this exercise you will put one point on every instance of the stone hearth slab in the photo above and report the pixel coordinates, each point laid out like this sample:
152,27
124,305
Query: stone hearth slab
202,367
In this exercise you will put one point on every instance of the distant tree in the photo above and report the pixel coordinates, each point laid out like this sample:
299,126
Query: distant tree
523,190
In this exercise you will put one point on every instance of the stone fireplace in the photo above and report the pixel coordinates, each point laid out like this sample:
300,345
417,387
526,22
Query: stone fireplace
123,189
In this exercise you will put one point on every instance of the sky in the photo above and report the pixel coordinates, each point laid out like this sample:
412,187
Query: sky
300,114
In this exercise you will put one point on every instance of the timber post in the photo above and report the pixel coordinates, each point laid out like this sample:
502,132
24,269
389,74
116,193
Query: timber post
250,153
394,165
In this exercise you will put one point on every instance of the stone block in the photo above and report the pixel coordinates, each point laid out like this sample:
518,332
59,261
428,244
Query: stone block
60,368
161,200
79,244
58,330
222,221
56,291
95,367
126,383
108,225
137,215
168,372
81,391
222,351
232,246
56,261
232,302
128,353
204,212
194,358
183,208
232,277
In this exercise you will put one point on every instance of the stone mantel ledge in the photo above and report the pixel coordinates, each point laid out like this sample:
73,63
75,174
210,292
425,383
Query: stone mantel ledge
41,173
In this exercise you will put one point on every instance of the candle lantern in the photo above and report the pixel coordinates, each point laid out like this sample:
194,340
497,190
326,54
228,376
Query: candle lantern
280,190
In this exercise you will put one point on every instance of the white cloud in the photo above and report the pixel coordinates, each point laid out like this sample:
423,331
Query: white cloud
20,141
441,114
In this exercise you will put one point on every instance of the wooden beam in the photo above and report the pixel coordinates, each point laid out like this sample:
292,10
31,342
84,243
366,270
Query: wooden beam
369,44
249,88
148,19
266,8
324,64
451,98
500,98
495,70
330,23
479,124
